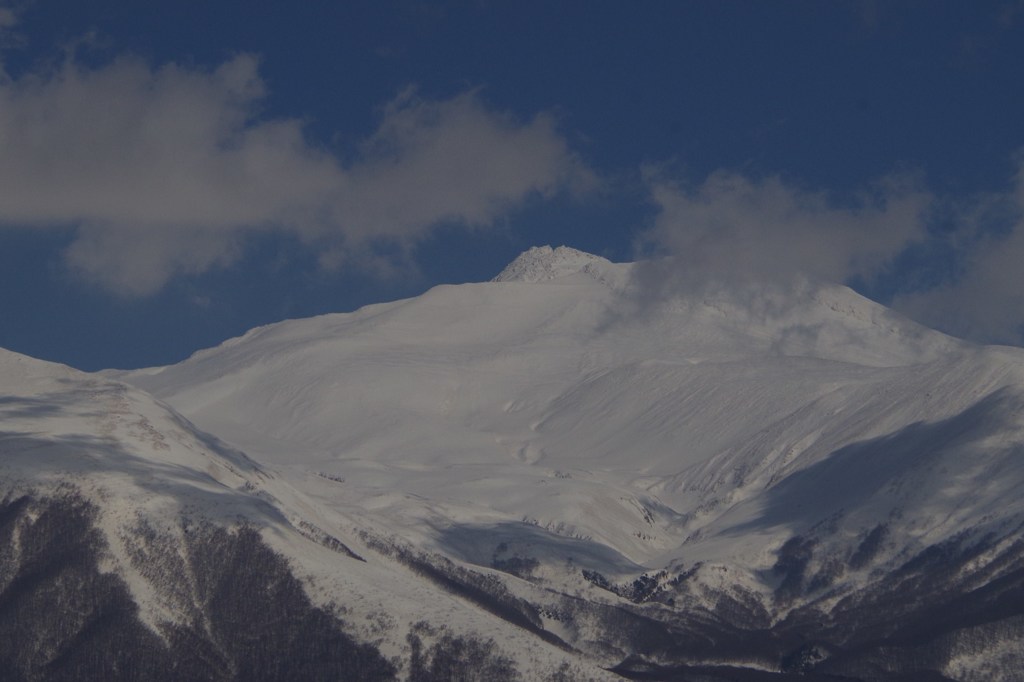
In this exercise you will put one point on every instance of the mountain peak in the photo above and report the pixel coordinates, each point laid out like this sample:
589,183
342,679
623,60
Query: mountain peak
543,263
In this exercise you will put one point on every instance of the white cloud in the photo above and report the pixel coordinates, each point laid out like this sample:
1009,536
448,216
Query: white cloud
137,262
9,36
732,229
757,241
163,170
985,301
431,162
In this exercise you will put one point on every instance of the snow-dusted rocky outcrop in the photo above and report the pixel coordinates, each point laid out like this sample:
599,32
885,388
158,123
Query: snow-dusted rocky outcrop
544,264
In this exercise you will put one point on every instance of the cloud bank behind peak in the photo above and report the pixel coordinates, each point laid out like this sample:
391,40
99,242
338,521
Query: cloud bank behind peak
163,170
957,259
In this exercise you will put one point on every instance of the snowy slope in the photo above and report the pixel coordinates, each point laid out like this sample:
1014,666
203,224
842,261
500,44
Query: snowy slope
81,451
547,396
779,479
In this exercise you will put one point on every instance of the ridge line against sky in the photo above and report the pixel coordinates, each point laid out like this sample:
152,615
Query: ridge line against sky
173,176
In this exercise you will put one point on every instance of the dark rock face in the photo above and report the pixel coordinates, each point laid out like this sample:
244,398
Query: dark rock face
243,615
961,598
61,618
452,657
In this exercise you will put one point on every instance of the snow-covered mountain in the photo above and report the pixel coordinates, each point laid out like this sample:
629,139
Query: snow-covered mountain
137,547
568,469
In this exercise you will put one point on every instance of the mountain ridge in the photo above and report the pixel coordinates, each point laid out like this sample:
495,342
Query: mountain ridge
471,342
772,469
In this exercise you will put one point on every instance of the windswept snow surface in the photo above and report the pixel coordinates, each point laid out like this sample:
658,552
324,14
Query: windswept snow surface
557,411
587,469
151,476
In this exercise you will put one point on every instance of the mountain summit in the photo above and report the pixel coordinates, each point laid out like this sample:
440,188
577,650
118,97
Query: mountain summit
543,264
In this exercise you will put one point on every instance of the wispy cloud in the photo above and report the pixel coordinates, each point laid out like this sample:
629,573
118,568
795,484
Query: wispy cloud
1010,13
7,17
731,228
163,170
984,299
9,36
430,162
754,240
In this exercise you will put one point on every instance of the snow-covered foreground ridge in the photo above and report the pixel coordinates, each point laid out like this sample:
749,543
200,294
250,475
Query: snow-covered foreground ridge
585,464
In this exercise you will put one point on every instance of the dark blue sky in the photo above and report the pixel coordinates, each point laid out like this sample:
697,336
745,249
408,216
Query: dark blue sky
176,173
